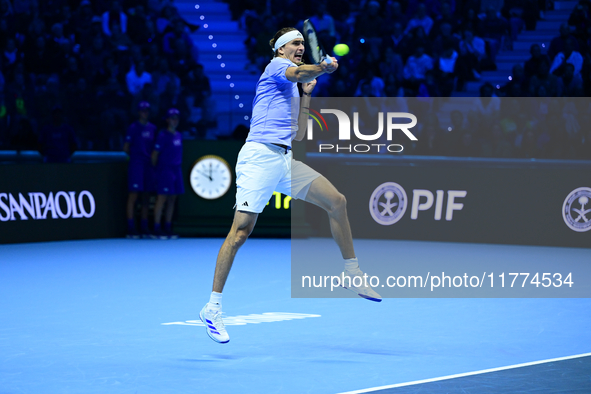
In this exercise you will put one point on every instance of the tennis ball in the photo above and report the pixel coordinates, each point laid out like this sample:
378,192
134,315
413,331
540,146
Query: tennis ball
341,49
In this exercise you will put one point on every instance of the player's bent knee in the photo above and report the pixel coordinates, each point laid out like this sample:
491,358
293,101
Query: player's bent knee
239,237
339,202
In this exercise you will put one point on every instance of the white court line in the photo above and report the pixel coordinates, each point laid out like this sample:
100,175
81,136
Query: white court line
461,375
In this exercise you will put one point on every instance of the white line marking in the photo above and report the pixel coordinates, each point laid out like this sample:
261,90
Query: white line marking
461,375
249,319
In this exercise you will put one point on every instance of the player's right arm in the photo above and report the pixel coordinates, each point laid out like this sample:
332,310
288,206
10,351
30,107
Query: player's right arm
309,72
155,158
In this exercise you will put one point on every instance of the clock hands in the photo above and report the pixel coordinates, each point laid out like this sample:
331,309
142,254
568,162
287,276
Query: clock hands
205,175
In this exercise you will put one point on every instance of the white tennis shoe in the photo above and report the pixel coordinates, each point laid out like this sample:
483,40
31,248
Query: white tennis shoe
364,290
214,325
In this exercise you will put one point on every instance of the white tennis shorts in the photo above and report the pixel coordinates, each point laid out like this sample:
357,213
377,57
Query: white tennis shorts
265,168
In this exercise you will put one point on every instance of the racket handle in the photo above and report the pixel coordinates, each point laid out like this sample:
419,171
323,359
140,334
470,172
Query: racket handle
327,59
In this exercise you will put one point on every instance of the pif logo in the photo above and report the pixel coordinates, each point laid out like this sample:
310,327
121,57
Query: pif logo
392,124
388,203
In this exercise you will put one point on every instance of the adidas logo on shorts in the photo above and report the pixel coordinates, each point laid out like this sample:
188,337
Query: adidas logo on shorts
245,204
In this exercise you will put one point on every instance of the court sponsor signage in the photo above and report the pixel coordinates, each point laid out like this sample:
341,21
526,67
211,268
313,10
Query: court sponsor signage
459,200
388,203
41,206
51,202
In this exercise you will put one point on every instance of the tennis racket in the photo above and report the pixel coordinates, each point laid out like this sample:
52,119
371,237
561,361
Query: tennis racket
315,50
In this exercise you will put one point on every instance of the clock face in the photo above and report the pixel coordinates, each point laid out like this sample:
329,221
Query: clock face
211,177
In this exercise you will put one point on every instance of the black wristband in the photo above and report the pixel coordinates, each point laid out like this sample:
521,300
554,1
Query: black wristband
307,94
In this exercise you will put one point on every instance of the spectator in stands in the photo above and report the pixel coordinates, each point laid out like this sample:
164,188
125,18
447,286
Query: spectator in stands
418,38
430,87
394,14
164,21
167,158
163,76
115,16
119,40
580,19
375,84
369,27
152,58
169,39
431,142
416,66
445,18
109,70
572,82
10,57
196,84
472,52
421,19
58,38
494,29
324,24
468,146
81,109
391,64
71,74
57,141
487,106
529,147
135,56
396,39
567,56
82,24
517,85
445,68
445,40
46,97
137,77
557,44
141,29
532,65
94,57
451,140
114,115
550,84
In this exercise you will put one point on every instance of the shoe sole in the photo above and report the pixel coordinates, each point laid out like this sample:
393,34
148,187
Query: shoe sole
207,330
363,295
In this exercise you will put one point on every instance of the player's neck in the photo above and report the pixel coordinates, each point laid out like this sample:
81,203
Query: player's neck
143,122
171,130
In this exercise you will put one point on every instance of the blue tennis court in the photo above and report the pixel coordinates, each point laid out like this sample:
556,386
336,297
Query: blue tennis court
121,316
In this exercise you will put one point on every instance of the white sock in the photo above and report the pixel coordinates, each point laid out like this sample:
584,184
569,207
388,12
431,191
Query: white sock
215,301
351,264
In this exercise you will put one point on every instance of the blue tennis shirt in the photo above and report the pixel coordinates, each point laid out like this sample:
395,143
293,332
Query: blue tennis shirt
271,120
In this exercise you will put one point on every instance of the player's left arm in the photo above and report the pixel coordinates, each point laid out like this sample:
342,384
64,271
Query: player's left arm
307,89
155,158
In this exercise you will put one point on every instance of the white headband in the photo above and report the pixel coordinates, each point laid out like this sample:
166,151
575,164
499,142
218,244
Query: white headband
287,37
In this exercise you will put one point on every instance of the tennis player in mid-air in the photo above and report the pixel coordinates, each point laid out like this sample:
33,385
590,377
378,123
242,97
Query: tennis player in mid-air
265,165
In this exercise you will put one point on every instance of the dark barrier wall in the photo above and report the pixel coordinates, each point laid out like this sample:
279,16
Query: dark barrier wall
471,200
51,202
197,216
